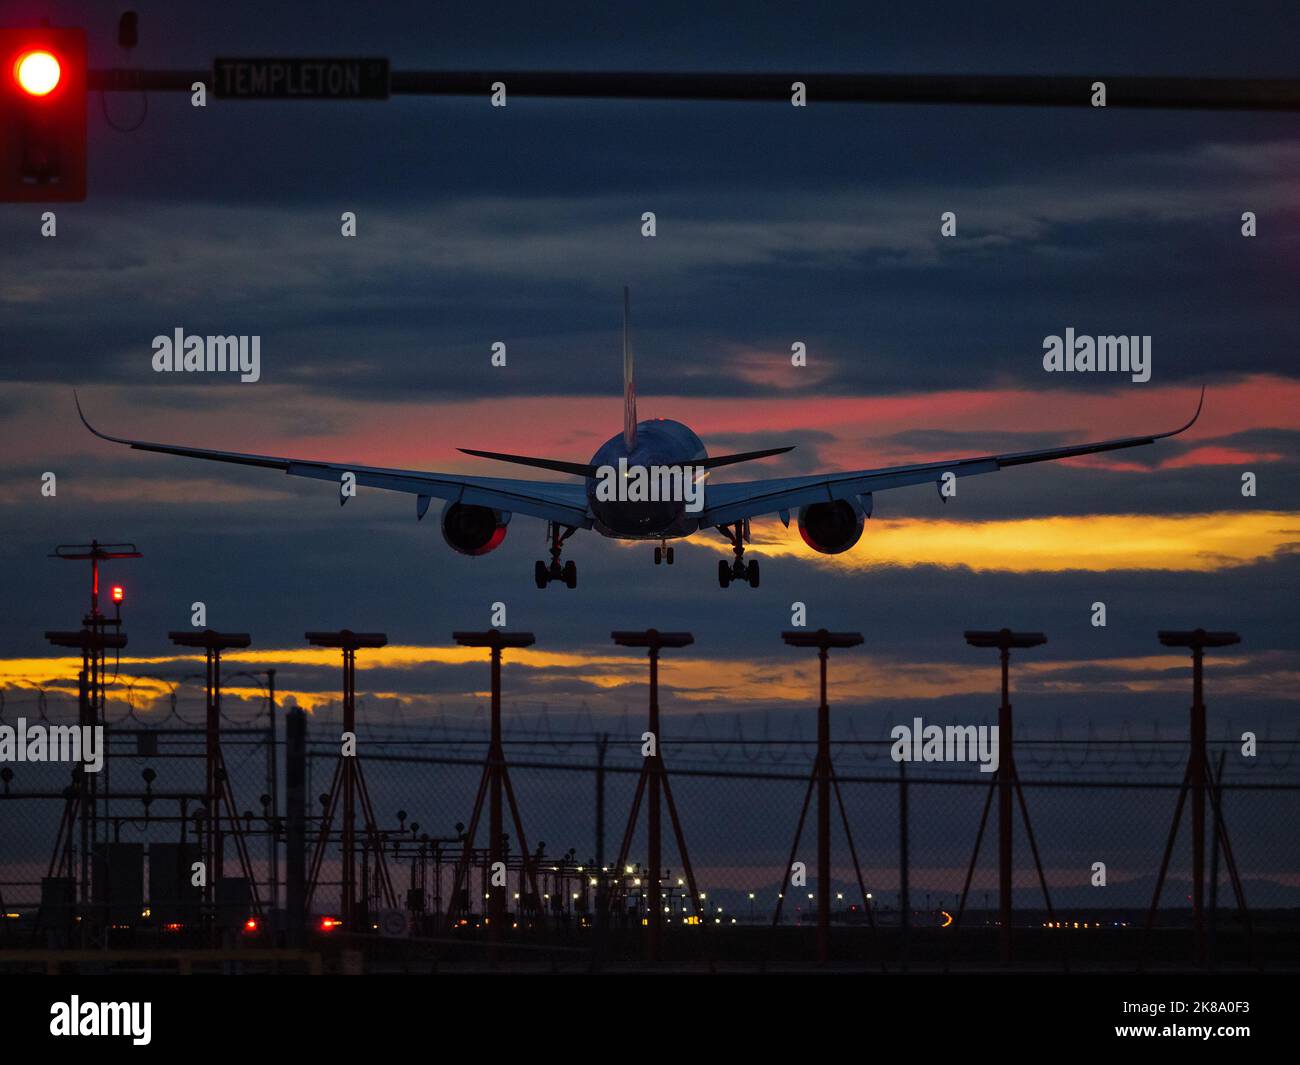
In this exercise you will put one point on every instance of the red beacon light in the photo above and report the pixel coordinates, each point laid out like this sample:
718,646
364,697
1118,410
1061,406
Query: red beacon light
38,72
119,593
252,926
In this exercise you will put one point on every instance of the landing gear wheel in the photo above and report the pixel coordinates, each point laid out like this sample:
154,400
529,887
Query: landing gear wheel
668,556
737,535
567,572
659,555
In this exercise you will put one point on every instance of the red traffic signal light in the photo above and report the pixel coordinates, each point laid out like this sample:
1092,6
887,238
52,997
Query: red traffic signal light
42,115
38,72
118,593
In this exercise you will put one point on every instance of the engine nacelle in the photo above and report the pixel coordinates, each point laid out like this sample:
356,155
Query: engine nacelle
833,527
473,530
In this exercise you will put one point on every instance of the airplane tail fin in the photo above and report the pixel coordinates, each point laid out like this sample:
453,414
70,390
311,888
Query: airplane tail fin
629,380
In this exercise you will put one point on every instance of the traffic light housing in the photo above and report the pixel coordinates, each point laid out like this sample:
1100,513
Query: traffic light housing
42,115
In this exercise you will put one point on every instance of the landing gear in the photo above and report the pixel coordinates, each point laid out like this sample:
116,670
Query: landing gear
663,553
567,572
739,570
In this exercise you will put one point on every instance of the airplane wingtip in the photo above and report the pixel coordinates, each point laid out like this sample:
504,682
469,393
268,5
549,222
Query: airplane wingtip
1200,403
82,415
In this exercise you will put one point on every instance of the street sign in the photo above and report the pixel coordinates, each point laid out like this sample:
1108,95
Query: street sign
300,79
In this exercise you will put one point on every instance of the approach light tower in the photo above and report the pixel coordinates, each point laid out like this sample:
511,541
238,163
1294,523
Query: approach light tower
1005,780
823,777
1196,777
655,774
347,773
495,781
218,788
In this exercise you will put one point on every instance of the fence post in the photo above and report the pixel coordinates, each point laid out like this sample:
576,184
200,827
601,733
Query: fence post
602,912
295,781
904,889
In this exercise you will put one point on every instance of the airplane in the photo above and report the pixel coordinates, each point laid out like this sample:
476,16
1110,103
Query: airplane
831,508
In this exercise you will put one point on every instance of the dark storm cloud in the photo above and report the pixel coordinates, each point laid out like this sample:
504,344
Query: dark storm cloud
424,291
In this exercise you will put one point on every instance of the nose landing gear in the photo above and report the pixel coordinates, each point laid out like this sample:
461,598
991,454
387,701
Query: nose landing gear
664,553
739,570
567,572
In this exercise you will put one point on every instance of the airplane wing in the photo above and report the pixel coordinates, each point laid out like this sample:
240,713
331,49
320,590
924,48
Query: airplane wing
728,503
563,503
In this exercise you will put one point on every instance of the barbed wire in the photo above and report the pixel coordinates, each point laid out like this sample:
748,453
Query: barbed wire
757,738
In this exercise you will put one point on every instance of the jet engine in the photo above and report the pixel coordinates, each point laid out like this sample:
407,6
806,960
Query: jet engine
473,530
833,527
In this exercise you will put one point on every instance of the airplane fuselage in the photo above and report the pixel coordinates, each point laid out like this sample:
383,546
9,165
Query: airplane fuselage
660,442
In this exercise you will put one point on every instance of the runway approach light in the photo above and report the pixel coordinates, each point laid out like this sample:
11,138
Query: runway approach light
42,115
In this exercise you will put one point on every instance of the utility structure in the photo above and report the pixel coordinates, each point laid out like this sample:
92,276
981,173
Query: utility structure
654,778
82,805
494,782
98,634
1005,779
217,788
823,778
349,783
1196,777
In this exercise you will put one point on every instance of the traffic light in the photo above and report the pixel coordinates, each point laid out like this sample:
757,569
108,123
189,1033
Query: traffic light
42,115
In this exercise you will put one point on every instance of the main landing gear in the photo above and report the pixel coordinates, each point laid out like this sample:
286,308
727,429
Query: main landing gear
568,572
663,553
740,570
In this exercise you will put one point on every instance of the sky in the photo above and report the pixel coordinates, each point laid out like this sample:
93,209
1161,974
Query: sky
775,225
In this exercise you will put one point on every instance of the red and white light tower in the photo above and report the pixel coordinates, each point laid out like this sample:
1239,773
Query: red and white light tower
93,639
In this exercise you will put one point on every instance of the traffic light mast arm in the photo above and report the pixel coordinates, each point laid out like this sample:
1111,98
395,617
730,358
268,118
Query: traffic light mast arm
1246,94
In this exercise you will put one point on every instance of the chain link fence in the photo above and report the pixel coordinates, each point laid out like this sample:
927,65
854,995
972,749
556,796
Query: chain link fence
1100,807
